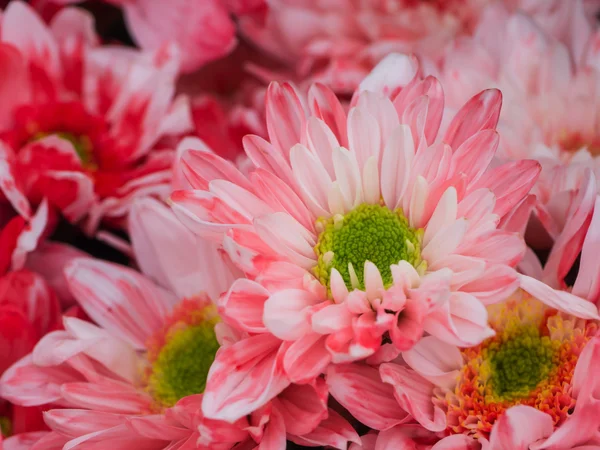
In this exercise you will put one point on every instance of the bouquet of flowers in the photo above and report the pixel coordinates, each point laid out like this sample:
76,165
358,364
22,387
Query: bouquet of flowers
286,224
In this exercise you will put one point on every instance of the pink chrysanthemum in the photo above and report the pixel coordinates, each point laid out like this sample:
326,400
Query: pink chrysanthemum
137,378
528,386
80,123
358,231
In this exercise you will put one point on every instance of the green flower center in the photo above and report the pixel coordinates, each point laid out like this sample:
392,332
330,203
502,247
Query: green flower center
5,426
182,366
519,364
368,233
82,144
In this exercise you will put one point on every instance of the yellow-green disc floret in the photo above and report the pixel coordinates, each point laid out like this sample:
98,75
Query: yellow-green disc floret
520,363
182,365
368,233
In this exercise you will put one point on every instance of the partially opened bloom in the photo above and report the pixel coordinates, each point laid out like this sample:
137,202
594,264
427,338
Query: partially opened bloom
358,230
80,123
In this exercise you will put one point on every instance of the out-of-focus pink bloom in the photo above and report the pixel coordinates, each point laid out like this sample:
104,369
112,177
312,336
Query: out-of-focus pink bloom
80,123
203,30
547,66
339,42
358,232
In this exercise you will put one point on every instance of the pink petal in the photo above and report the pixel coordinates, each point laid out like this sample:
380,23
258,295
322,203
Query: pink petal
29,385
312,178
204,33
201,166
519,427
11,190
35,42
244,377
119,299
360,390
480,113
569,243
364,135
475,154
436,361
168,257
391,74
49,260
281,197
333,432
461,321
561,300
303,407
114,397
286,117
395,166
243,305
324,104
77,422
414,394
286,236
14,88
306,358
40,440
286,313
510,182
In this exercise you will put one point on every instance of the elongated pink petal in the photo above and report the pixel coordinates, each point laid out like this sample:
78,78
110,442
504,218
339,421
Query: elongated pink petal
435,360
244,304
76,422
303,407
569,243
306,358
114,397
286,313
324,104
177,260
362,392
333,432
480,113
561,300
119,299
414,394
519,427
243,377
286,117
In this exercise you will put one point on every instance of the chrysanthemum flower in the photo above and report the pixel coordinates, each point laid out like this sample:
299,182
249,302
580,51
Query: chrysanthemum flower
358,230
547,70
338,43
80,123
528,386
138,376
